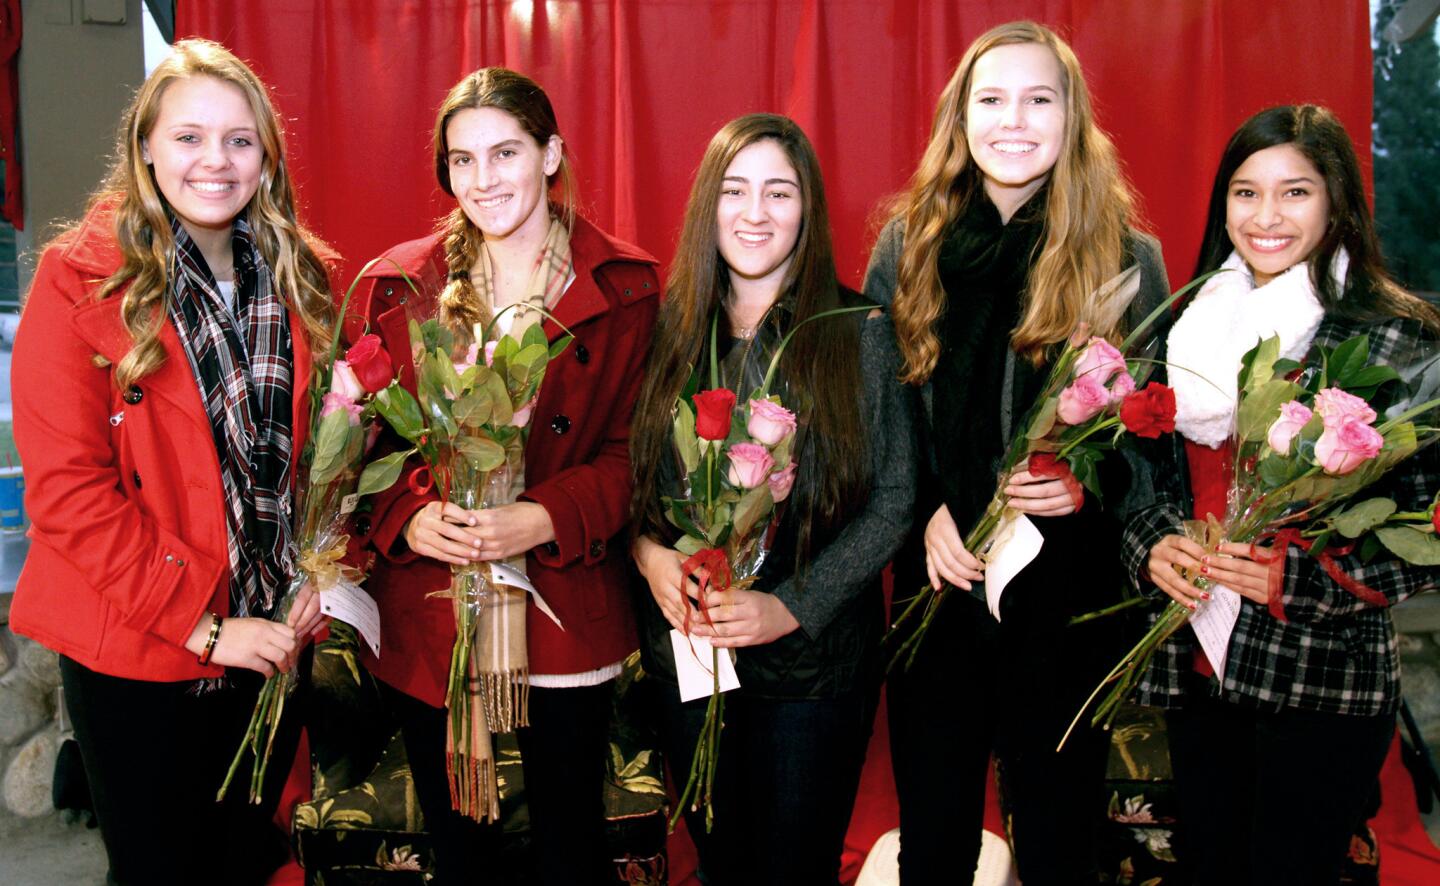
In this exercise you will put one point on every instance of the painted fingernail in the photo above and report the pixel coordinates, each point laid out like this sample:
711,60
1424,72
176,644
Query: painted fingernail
1205,560
1204,595
1204,570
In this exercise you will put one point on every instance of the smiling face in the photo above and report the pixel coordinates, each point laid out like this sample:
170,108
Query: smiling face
759,215
500,174
1276,211
1015,121
205,153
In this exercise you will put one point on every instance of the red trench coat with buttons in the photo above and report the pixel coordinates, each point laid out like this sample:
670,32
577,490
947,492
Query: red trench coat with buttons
127,542
577,466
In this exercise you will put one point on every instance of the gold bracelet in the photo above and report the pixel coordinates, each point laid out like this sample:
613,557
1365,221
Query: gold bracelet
211,640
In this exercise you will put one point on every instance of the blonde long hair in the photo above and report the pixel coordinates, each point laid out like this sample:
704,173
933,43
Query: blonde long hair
142,228
523,99
1086,218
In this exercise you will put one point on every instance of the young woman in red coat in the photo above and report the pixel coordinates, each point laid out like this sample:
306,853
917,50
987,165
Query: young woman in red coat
159,380
513,239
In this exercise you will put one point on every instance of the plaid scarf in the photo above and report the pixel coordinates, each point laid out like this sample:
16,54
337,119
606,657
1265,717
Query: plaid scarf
546,285
241,359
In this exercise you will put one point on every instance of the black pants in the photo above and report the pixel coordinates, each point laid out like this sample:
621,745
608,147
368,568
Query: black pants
155,754
1271,798
978,686
785,783
563,752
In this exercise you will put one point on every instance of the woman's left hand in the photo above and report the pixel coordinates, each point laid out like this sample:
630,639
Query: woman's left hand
305,617
743,618
509,530
1043,497
1242,568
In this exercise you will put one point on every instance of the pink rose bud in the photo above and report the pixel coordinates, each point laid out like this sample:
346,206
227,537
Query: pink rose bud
1122,387
769,422
1335,405
1343,448
781,483
521,418
489,352
1084,399
750,465
344,382
471,355
334,402
1100,360
1293,416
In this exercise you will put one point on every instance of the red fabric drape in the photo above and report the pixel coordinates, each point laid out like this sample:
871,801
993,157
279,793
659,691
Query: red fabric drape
639,88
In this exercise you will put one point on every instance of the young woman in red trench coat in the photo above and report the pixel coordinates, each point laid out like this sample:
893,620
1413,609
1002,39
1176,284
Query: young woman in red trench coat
498,152
151,570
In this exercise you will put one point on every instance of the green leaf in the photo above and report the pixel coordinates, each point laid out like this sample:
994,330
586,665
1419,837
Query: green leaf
1410,544
680,516
482,452
558,346
684,433
473,409
330,445
382,473
1260,406
502,408
1275,470
399,409
534,337
1044,419
1257,367
437,409
1320,543
526,364
689,545
753,507
1361,518
1083,461
1348,358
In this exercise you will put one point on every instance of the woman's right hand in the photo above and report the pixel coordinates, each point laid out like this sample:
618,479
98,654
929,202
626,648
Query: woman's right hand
257,644
945,556
661,567
1166,555
441,531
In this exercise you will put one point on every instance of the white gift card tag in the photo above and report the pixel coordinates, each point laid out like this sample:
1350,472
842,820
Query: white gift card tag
1214,622
694,658
349,603
508,575
349,503
1017,542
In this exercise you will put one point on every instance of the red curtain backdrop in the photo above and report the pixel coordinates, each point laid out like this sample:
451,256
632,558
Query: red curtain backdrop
639,88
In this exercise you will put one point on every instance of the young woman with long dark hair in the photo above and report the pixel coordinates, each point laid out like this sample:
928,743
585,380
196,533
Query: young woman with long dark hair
1016,215
159,376
1276,758
755,253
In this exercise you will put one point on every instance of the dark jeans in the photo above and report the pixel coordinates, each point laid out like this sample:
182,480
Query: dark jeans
563,753
785,783
978,686
155,755
1270,798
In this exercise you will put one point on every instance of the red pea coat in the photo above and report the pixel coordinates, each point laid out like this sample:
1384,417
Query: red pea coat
577,466
123,488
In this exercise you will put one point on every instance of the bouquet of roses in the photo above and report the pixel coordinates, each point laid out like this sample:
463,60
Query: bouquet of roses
341,425
1090,400
468,424
737,463
1306,442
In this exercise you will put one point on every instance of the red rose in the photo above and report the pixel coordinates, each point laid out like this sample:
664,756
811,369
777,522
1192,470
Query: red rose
1046,465
713,410
1149,412
371,364
1435,519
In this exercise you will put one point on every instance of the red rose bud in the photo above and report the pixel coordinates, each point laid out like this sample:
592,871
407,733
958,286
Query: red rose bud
1045,465
1149,412
1435,519
371,363
713,411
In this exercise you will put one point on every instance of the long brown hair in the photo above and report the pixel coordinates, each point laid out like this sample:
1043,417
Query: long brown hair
1087,215
523,99
142,228
820,365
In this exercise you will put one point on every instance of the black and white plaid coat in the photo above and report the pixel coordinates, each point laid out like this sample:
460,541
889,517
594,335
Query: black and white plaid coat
1335,654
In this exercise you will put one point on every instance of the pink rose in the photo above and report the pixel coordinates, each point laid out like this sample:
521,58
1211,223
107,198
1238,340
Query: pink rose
781,483
343,382
1293,416
471,355
1335,405
1345,447
335,401
1100,360
750,465
769,422
521,418
1122,387
489,352
1084,399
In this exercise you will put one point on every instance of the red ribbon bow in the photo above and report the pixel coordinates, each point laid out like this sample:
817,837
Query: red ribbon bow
711,569
1276,562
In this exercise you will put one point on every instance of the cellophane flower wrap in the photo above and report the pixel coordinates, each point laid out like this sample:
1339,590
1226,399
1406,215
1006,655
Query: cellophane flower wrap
468,422
1091,401
736,463
342,422
1307,441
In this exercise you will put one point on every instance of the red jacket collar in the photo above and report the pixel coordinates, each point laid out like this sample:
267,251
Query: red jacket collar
91,248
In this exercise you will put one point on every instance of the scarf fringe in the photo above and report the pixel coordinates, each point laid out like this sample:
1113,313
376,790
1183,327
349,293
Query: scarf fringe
474,792
506,699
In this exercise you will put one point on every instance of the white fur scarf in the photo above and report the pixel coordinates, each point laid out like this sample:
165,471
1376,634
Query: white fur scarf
1227,318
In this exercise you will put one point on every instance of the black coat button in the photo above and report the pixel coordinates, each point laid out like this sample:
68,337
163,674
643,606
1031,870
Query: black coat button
362,525
560,424
552,549
133,395
582,354
597,549
136,477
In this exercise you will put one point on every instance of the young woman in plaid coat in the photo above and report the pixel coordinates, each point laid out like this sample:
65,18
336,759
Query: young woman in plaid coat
1276,757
